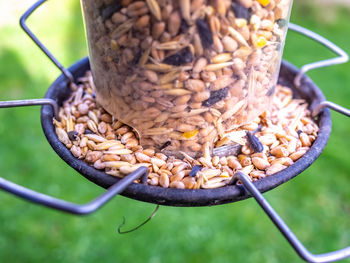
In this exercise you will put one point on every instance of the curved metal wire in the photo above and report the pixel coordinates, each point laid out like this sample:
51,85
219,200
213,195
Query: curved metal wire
26,29
328,104
20,103
343,56
285,230
69,207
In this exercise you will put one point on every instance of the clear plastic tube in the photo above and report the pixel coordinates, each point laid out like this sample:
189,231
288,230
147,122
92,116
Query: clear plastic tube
184,72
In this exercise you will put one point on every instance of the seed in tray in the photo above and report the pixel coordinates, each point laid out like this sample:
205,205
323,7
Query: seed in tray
183,171
166,144
184,56
88,131
254,142
204,33
195,170
215,96
73,135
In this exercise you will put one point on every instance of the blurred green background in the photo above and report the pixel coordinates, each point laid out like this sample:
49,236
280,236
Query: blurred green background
316,204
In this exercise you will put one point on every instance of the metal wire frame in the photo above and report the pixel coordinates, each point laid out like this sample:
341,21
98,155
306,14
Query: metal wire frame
142,172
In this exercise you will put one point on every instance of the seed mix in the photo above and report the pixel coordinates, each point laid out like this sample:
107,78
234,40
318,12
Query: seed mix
286,132
183,72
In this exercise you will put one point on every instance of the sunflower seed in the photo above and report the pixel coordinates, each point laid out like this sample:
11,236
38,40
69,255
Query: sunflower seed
184,56
204,33
109,10
215,96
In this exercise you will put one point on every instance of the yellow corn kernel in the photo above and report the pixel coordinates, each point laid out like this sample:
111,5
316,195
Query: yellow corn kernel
190,134
261,42
264,2
224,175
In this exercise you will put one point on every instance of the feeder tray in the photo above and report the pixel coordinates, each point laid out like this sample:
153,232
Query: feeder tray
303,87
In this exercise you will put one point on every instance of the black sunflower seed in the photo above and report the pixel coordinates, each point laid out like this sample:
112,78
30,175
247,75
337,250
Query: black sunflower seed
278,47
215,96
271,91
183,26
136,58
204,33
109,10
254,142
166,144
241,12
184,56
73,135
282,22
195,170
88,131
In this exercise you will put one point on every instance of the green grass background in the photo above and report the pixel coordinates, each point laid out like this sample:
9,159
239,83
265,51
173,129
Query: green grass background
316,204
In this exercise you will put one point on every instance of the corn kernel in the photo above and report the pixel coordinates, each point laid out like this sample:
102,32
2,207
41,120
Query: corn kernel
264,2
114,45
224,175
190,134
241,22
209,10
261,42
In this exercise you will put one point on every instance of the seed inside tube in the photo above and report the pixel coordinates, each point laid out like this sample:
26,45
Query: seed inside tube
215,67
190,134
154,8
204,33
168,68
221,58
